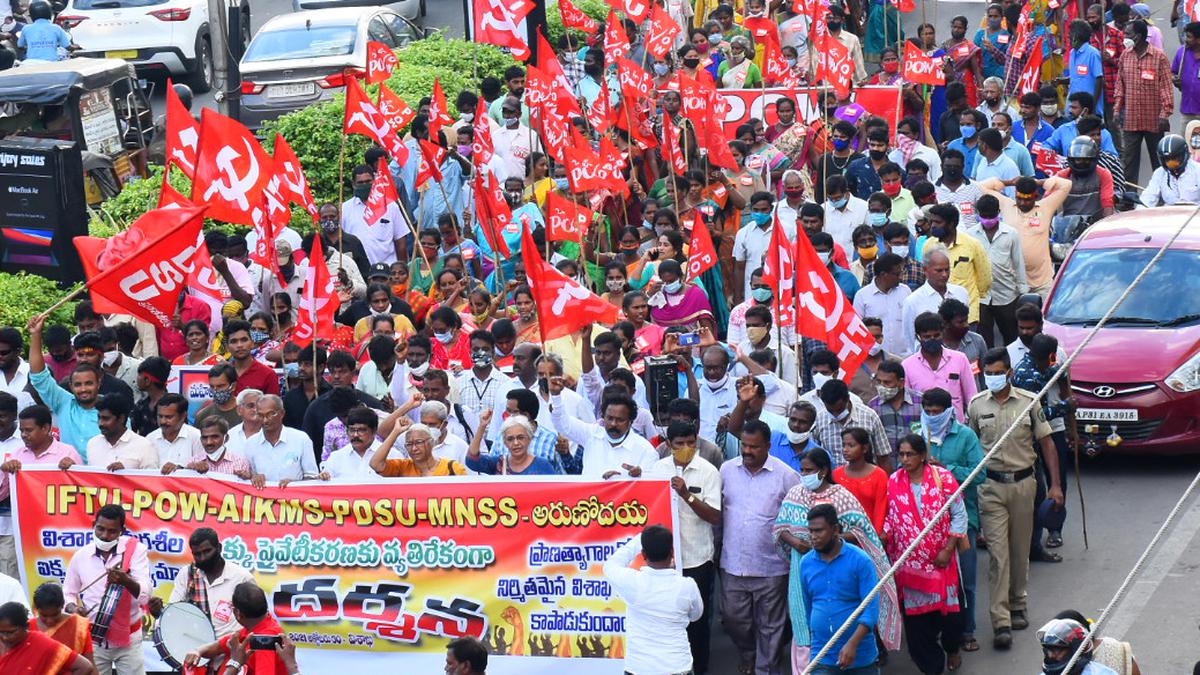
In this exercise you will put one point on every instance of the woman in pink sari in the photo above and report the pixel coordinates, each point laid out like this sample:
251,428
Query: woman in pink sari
675,302
928,582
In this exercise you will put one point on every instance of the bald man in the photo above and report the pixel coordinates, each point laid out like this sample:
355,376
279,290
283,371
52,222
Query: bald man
936,289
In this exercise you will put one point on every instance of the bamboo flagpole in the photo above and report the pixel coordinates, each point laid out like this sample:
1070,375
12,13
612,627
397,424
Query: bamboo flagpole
76,292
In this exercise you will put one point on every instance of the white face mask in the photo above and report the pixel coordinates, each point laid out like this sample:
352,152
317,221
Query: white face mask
798,437
216,455
110,358
875,349
825,256
106,546
995,383
819,380
901,251
419,370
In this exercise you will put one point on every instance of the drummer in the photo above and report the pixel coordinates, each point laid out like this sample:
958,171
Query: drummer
208,582
254,616
113,565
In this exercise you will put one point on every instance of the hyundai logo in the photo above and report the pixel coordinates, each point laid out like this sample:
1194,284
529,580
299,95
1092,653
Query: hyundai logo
1104,391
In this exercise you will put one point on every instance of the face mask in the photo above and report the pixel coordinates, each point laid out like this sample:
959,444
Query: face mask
989,223
216,455
512,122
110,358
419,371
891,189
869,252
661,69
684,455
938,231
757,334
877,155
715,39
931,347
259,336
615,284
561,184
691,63
798,193
1128,44
993,24
329,225
841,417
825,256
901,251
819,380
891,67
810,481
791,63
1049,109
967,132
937,425
841,143
761,219
362,192
886,393
106,546
995,383
877,219
223,396
1195,142
292,370
835,26
798,437
761,295
444,338
481,357
840,204
673,287
464,150
875,349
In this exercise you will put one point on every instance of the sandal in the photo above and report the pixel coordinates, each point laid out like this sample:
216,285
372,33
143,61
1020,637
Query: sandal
746,669
970,644
953,661
1054,540
1045,556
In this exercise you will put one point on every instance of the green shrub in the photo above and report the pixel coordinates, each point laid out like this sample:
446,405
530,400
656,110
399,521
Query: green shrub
22,296
597,9
470,59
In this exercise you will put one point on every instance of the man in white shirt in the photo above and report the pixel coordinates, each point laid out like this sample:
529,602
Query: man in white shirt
884,298
546,366
660,603
843,212
483,386
752,240
512,142
929,296
352,462
610,447
117,447
207,583
175,440
279,453
14,370
435,415
718,391
384,240
993,100
247,409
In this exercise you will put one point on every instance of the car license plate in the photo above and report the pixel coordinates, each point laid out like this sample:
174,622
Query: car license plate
122,54
1106,415
290,90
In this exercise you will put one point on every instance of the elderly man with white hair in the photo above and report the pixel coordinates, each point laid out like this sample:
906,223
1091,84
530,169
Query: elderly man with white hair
352,462
247,409
993,101
418,445
516,433
796,193
435,415
277,452
930,296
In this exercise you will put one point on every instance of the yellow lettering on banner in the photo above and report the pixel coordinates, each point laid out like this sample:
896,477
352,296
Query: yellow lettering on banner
465,511
290,512
384,516
263,513
229,508
316,515
509,515
193,506
341,509
406,512
362,512
166,505
440,512
142,500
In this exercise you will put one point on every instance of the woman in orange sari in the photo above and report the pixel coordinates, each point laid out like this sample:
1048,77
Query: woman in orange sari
25,652
72,630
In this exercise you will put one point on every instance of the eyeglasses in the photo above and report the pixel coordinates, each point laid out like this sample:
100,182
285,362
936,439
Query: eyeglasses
418,443
523,438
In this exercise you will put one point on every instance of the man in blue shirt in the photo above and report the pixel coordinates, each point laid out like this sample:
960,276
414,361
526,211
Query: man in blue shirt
1031,128
970,122
42,39
1086,66
835,577
992,162
1079,104
1013,149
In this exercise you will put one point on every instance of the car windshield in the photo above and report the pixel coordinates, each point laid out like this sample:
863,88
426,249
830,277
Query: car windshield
1094,279
116,4
301,43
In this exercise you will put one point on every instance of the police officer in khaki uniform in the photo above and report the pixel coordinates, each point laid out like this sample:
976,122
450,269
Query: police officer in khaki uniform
1006,509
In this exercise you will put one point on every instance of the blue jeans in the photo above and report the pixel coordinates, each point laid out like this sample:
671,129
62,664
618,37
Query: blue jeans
966,566
822,669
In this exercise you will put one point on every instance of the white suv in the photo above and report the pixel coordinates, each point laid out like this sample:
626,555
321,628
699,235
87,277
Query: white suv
159,37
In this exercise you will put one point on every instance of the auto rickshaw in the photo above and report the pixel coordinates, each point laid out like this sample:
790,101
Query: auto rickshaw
96,102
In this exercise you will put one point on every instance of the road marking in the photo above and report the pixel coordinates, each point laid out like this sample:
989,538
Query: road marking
1160,565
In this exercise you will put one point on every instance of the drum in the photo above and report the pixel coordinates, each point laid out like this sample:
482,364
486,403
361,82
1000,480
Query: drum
181,628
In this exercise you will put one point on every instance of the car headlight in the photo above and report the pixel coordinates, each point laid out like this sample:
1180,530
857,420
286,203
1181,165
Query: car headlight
1186,378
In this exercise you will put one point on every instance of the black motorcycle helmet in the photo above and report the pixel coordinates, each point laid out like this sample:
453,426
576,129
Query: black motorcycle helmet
1082,155
1060,639
184,93
1173,153
40,10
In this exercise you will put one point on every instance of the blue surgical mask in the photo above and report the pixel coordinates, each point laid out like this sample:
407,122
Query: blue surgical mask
661,69
715,39
995,383
444,338
791,63
938,231
673,287
810,481
876,219
840,204
292,370
561,184
761,219
967,132
841,143
936,426
761,295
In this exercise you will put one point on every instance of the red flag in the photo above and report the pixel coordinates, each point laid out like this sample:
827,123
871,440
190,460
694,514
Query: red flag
904,5
393,108
671,146
921,69
540,88
144,269
381,61
362,117
718,146
497,21
183,134
661,35
1021,34
701,253
825,313
318,302
583,168
1047,160
383,194
1031,74
439,110
616,43
558,82
573,17
764,30
612,166
432,156
600,111
556,127
634,9
482,147
779,272
775,67
492,211
563,306
293,182
169,197
565,219
635,82
232,169
835,66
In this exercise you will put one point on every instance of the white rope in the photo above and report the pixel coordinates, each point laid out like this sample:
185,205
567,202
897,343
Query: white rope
1020,419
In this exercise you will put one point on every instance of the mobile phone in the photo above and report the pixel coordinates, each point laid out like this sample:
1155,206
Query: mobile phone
265,641
689,340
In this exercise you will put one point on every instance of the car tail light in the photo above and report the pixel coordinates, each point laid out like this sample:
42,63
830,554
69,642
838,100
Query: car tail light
252,87
338,79
69,22
173,14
